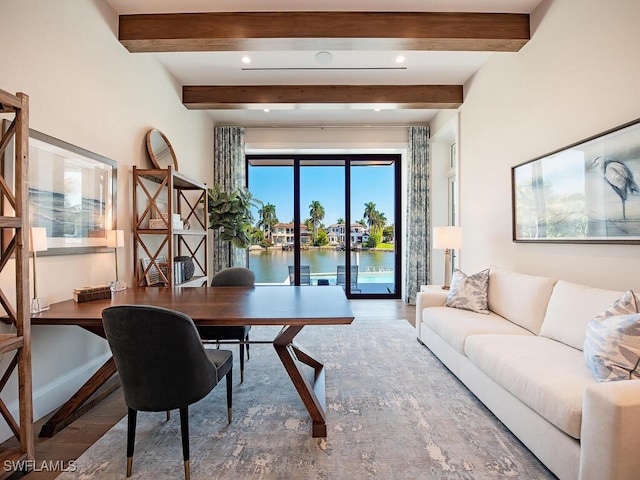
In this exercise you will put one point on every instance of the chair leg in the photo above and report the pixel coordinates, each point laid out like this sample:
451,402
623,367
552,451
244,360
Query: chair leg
247,340
229,395
184,429
131,437
241,362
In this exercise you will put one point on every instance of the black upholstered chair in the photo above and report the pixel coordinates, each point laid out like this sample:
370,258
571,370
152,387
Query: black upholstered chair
231,277
162,365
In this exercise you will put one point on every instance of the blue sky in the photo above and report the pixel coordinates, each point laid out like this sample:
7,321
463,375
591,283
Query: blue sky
326,184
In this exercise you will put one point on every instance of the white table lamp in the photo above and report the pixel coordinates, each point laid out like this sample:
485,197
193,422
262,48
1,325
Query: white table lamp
115,240
37,243
447,238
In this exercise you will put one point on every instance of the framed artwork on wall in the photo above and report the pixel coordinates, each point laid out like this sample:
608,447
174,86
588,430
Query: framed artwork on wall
587,192
72,193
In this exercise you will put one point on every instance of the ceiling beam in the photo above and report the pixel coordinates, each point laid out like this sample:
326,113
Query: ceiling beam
169,32
223,97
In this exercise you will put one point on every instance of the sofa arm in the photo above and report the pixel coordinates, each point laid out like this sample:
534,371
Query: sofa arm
433,298
610,435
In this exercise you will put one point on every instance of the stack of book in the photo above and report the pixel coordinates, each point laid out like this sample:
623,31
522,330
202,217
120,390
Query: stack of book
86,294
178,271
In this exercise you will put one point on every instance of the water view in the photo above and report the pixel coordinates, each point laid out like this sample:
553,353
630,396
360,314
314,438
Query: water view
272,266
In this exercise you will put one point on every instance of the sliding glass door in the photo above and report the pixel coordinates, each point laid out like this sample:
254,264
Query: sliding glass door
322,208
305,234
373,235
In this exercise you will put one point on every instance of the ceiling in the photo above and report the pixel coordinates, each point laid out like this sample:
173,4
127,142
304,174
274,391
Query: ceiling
341,66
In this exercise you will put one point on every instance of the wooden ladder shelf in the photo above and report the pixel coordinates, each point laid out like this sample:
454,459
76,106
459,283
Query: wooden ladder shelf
14,238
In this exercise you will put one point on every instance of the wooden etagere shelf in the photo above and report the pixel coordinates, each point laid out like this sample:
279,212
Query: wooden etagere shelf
158,196
14,228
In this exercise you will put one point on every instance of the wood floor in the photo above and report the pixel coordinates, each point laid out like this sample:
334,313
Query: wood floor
71,442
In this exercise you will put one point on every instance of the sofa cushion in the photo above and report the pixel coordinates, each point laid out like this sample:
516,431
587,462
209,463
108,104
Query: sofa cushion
455,325
544,374
570,308
519,297
469,292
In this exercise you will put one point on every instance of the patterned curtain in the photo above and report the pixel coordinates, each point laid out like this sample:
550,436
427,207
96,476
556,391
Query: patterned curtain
229,170
418,225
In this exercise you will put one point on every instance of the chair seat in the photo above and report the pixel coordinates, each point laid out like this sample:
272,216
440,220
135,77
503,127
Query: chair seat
222,359
239,334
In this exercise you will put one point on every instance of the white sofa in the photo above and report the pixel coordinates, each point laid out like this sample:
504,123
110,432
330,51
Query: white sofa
524,361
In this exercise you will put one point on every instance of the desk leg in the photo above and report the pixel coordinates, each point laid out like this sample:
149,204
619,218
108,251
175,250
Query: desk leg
312,394
79,404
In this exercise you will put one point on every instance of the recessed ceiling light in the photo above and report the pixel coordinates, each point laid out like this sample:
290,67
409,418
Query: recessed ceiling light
400,59
246,59
324,58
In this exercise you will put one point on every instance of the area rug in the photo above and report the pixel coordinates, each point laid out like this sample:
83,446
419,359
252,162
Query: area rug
393,412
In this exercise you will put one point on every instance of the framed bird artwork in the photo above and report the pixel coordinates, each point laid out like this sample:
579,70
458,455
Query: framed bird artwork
587,192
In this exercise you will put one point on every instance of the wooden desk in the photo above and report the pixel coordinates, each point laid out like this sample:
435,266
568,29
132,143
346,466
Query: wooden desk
291,307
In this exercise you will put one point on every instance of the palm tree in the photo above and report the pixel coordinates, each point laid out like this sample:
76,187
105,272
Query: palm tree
307,223
316,212
268,219
378,221
369,213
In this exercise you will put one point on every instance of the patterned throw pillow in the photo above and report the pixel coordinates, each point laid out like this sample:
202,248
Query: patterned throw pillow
469,292
612,344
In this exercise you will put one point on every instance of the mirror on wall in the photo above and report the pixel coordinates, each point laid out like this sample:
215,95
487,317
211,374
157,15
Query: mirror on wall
160,150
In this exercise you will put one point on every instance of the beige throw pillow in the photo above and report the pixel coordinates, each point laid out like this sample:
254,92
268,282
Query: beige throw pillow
469,292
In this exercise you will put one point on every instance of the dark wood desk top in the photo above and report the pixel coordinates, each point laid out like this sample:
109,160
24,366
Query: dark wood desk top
261,305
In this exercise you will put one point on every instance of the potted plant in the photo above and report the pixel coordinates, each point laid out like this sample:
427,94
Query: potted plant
230,214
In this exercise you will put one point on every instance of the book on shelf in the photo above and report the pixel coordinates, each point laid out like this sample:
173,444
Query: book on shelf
178,271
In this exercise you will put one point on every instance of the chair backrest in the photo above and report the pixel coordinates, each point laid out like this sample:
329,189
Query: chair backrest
341,275
305,275
234,277
159,356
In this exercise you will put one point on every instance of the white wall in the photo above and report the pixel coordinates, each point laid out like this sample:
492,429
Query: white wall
86,89
443,134
325,139
577,77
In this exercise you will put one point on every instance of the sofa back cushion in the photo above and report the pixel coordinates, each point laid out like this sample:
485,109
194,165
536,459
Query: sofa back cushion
519,297
570,309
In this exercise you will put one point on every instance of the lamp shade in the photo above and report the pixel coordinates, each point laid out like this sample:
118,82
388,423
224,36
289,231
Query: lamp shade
37,239
115,238
447,238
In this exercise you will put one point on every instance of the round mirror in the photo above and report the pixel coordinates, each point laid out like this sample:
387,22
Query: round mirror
160,150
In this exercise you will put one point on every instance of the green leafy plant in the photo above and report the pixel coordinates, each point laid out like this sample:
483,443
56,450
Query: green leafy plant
230,214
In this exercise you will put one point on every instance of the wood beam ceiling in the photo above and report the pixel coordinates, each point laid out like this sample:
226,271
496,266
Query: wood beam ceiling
230,31
298,31
264,96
